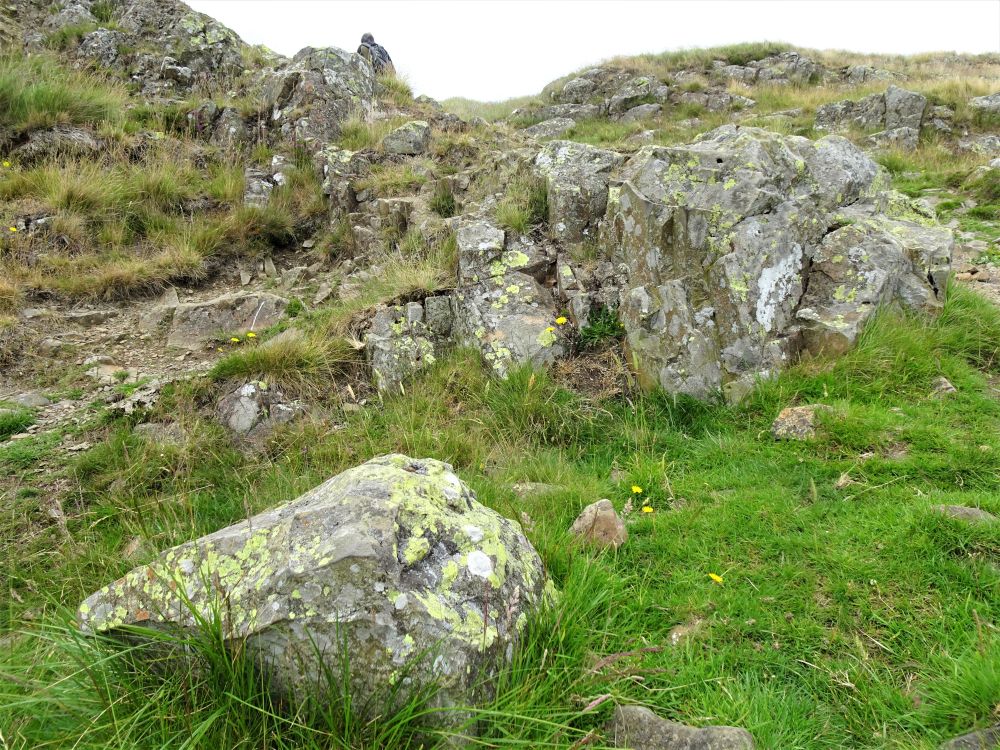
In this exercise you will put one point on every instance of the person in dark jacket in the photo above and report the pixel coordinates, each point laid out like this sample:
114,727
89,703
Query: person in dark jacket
376,55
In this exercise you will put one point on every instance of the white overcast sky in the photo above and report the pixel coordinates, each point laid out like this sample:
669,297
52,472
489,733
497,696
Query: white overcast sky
495,49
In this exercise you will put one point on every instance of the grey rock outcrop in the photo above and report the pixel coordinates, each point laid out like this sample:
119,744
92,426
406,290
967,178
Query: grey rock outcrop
404,339
253,410
895,108
965,513
746,247
982,739
989,104
638,728
550,128
577,176
409,140
393,560
61,140
317,91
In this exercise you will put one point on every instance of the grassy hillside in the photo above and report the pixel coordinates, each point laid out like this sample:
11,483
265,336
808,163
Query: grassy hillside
807,591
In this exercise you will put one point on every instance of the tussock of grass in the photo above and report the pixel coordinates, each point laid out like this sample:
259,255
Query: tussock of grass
358,134
525,205
389,180
36,92
303,365
394,89
489,111
13,421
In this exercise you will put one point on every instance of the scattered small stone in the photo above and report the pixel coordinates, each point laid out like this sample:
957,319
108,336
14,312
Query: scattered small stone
269,269
599,524
942,387
309,244
638,728
323,293
680,633
526,522
79,447
983,739
797,422
964,513
90,317
527,489
160,433
245,277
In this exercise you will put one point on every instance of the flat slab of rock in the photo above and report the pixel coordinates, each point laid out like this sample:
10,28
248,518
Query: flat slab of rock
600,525
964,513
551,128
385,560
638,728
195,323
797,422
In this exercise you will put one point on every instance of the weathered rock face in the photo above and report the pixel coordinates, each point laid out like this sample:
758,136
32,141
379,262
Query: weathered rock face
894,110
389,560
318,90
253,410
500,306
194,323
577,175
410,139
552,128
406,338
989,104
59,141
784,68
745,247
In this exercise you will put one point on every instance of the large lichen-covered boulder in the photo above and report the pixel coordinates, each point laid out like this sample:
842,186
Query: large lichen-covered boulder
317,91
745,247
392,564
577,176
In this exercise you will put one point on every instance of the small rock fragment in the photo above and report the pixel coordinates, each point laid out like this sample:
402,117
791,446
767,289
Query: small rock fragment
638,728
599,524
797,422
964,513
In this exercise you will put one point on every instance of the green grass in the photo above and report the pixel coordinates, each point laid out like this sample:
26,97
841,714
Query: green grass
848,615
525,204
36,92
13,421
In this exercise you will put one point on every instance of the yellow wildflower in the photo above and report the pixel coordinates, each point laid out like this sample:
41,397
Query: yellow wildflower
251,335
561,320
715,577
647,509
550,329
6,164
636,489
235,340
13,229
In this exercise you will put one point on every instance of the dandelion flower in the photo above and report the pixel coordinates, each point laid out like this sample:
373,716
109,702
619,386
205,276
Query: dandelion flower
715,577
13,229
647,509
636,489
251,335
550,329
235,340
6,164
561,320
